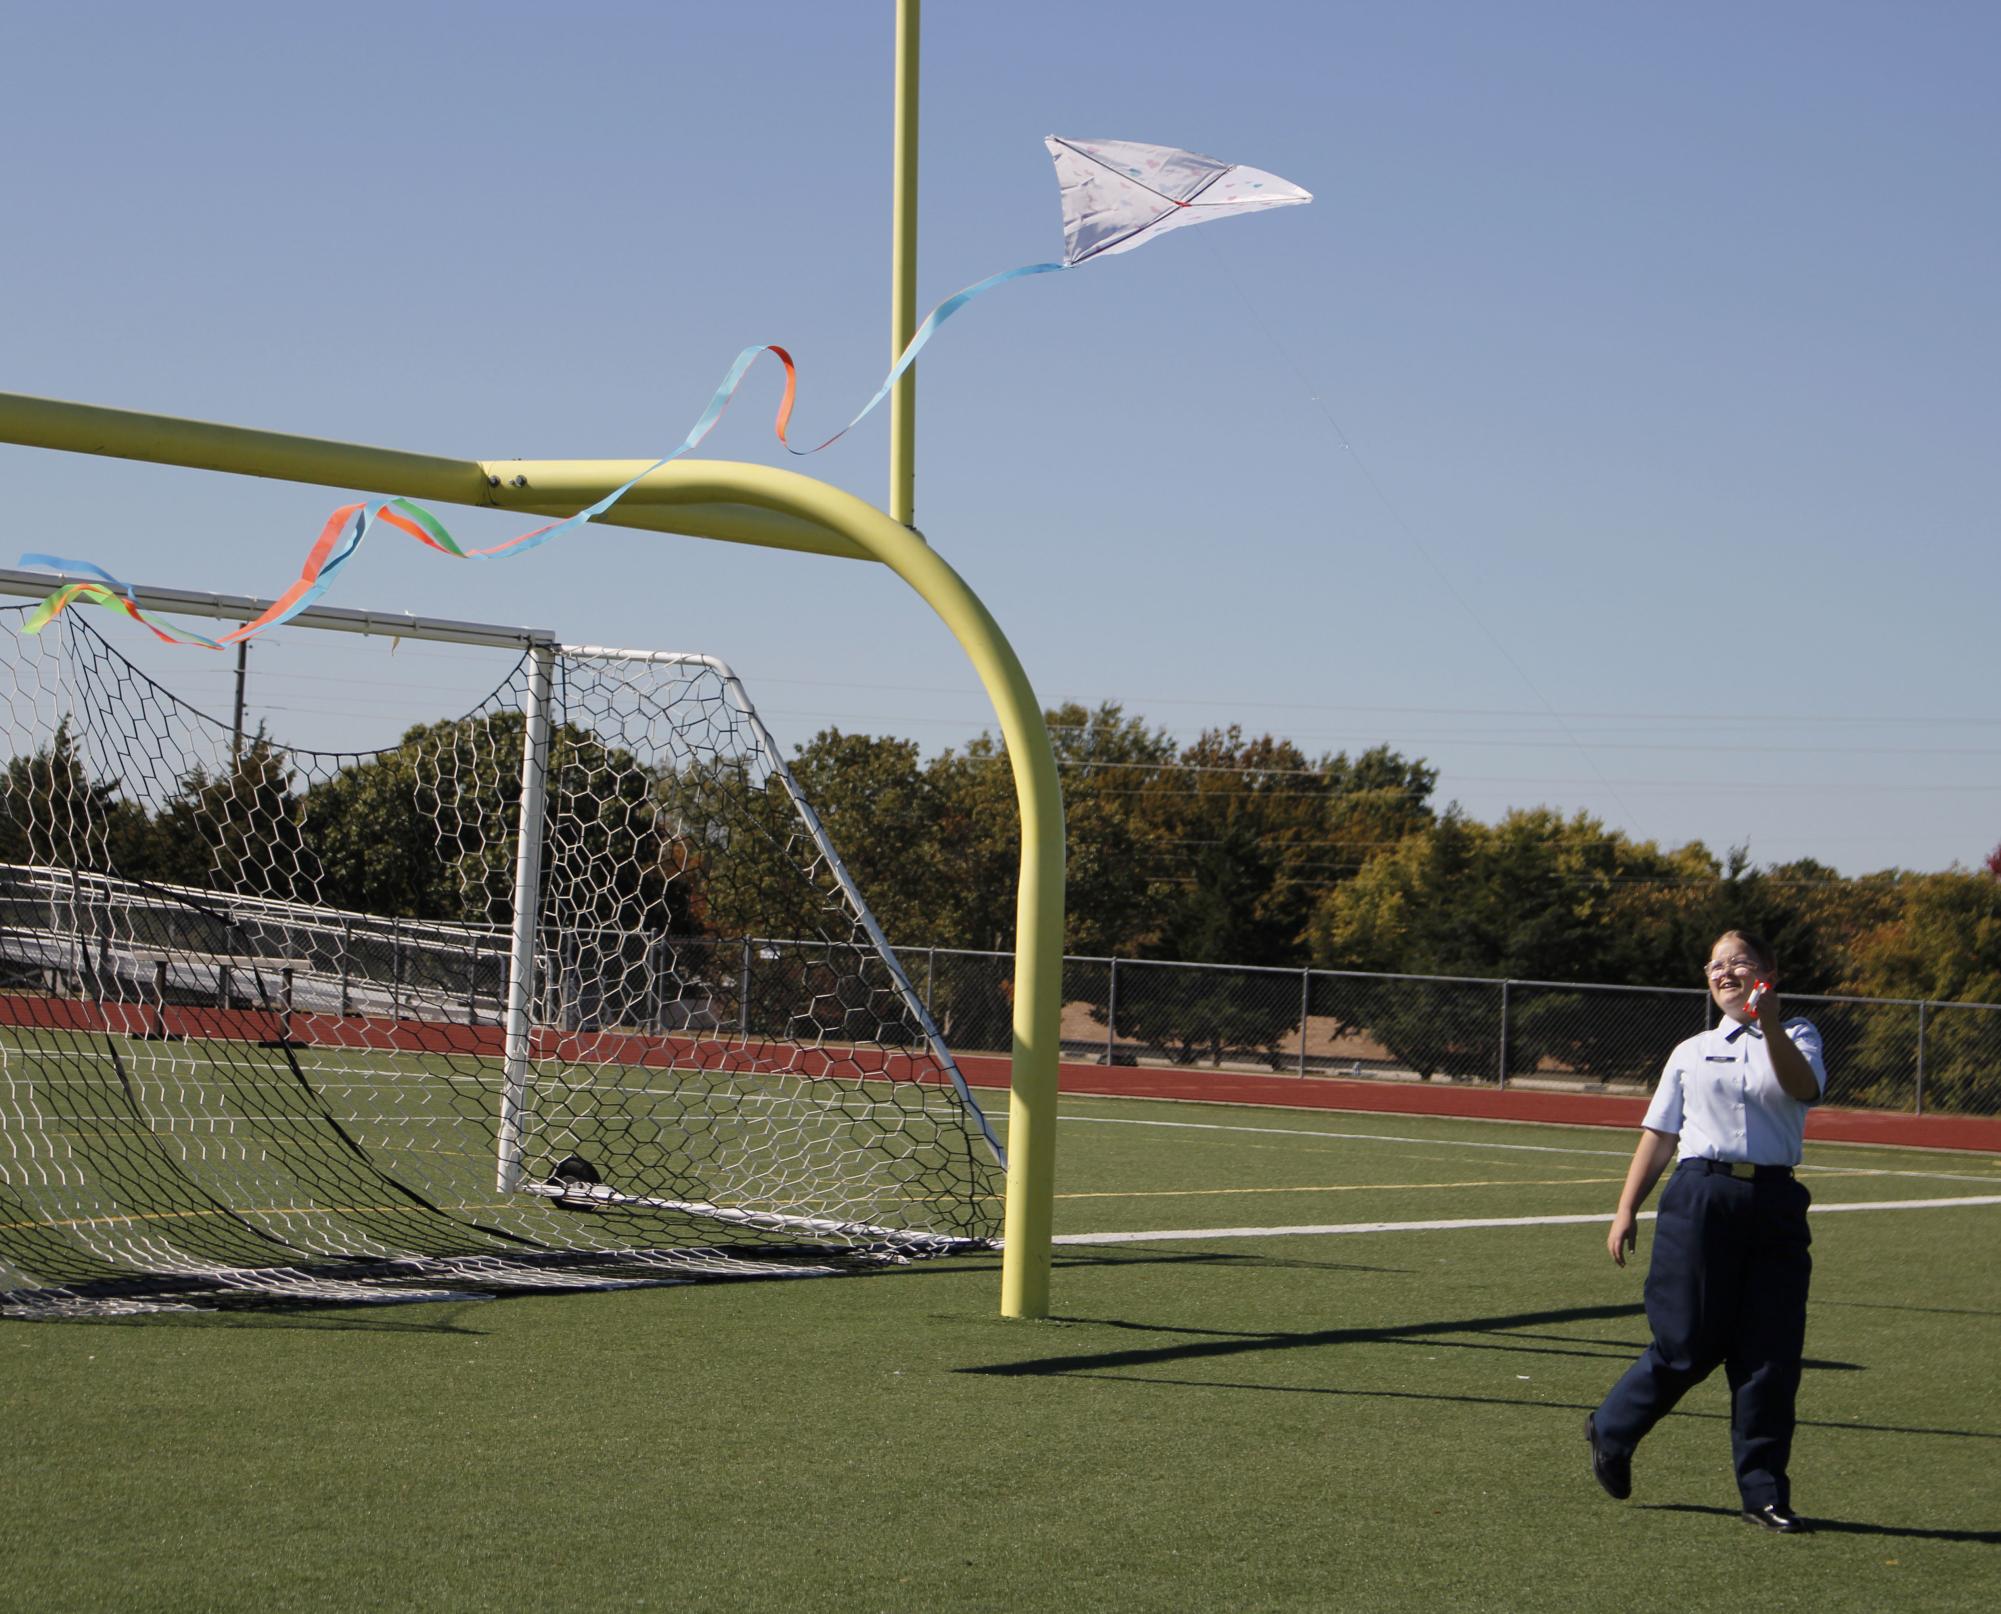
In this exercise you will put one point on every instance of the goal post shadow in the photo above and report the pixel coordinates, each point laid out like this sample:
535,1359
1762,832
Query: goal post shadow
727,501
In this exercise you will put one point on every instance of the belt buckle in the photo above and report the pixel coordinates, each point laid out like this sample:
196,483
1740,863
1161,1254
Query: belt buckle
1742,1168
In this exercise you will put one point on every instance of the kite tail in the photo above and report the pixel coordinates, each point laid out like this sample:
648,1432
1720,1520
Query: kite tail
341,538
937,317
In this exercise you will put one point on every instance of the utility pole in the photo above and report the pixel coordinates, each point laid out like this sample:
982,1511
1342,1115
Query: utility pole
236,732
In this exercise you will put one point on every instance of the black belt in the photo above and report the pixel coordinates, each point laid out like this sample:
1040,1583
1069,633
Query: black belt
1740,1168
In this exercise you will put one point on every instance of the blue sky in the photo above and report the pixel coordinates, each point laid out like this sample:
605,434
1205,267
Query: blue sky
1614,431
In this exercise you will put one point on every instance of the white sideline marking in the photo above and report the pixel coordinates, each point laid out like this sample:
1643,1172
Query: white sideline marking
1343,1137
1472,1221
1469,1143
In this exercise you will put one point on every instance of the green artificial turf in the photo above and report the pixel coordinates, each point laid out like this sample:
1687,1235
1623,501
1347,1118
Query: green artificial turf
1384,1420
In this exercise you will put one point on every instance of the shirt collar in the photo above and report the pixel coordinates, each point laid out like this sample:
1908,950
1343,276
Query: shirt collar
1738,1028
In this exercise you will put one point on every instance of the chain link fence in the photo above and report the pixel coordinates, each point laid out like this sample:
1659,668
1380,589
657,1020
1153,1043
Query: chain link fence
1882,1053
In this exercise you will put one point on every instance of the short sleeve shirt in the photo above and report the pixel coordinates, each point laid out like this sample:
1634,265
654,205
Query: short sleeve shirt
1719,1095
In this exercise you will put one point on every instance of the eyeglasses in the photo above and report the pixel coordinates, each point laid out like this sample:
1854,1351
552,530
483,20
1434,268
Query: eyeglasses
1718,969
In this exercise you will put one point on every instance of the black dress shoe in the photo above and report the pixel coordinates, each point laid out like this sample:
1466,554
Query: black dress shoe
1779,1520
1611,1470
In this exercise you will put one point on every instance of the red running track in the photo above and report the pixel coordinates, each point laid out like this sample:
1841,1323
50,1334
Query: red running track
1827,1125
855,1064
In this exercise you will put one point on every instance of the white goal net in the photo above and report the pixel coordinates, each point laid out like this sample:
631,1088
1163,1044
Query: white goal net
567,990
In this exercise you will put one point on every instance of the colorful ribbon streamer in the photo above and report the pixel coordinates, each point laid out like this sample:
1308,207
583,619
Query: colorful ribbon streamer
345,530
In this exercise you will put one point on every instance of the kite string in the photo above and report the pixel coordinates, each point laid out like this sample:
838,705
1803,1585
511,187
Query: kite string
1410,536
347,528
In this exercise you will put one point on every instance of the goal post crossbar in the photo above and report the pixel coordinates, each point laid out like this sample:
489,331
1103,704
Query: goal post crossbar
807,512
677,498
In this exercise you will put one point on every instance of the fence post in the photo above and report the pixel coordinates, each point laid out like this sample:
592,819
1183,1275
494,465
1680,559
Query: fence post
931,982
346,964
743,993
1305,1008
1918,1106
1112,1015
395,969
472,985
1505,985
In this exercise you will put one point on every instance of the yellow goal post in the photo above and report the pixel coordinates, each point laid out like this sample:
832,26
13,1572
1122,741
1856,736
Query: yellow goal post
737,503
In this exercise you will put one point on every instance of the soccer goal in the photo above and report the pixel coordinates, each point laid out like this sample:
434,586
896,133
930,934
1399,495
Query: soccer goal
567,990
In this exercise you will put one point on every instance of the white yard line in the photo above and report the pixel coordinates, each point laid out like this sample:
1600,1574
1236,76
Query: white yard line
1520,1148
1472,1222
1342,1137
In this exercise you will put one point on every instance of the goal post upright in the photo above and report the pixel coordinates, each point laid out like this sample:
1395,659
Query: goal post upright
903,266
527,909
733,502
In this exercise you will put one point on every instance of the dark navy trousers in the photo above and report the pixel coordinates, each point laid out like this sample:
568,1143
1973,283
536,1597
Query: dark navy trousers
1727,1287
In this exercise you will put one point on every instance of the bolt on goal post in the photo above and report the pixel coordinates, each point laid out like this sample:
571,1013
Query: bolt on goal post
731,502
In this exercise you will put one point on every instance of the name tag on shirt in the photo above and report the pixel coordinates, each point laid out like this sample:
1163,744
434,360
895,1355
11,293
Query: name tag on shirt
1719,1059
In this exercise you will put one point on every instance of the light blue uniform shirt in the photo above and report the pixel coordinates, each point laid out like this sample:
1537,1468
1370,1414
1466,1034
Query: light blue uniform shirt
1719,1095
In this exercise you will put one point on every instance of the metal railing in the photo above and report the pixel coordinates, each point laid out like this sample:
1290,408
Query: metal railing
101,937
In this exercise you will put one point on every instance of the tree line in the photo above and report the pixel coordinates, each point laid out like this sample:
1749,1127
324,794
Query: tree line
1245,850
1227,849
1241,850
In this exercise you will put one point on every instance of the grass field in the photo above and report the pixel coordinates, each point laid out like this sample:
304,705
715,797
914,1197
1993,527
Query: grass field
1385,1419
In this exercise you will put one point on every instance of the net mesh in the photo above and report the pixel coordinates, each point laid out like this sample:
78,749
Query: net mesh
269,1030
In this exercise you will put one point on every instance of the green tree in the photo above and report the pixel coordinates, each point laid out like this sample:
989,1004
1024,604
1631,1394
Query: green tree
54,814
879,807
1245,835
979,841
1245,818
1393,917
1944,948
428,829
1222,913
1674,920
1535,897
422,830
239,830
755,877
1372,804
1105,758
1108,761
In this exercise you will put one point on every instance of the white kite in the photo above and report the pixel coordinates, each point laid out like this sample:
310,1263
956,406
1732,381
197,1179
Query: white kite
1118,194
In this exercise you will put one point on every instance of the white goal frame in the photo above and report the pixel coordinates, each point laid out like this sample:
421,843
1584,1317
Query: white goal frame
529,902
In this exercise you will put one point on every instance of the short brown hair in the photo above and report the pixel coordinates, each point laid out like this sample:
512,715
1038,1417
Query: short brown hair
1752,943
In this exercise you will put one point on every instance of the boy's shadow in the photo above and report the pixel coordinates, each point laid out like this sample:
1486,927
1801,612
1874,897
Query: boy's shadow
1845,1527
